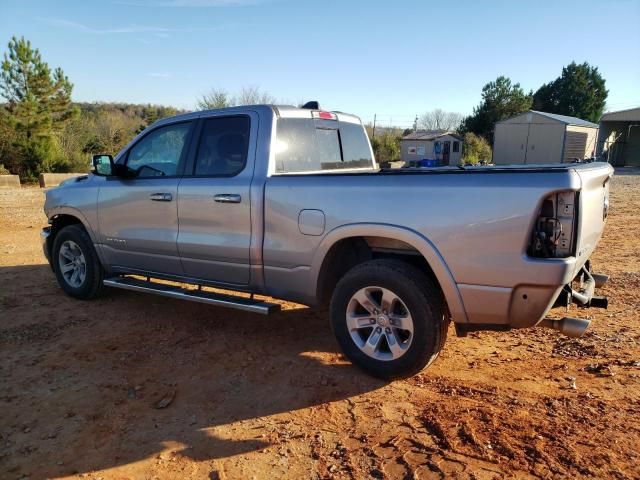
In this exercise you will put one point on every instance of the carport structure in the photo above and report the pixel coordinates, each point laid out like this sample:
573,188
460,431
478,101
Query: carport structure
619,139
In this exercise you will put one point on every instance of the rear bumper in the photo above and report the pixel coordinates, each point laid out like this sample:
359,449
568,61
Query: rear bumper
519,307
502,308
523,305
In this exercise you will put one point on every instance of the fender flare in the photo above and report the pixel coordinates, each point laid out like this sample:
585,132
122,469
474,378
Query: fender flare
418,241
73,212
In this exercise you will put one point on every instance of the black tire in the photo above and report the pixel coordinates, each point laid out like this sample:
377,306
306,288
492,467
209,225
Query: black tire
421,297
92,284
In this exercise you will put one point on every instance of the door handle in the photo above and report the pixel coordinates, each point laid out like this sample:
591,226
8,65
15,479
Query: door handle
227,198
161,197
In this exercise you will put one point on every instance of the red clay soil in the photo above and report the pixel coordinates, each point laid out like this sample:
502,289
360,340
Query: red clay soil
245,396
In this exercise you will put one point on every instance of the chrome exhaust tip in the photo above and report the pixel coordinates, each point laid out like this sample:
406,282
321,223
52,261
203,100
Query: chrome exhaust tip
600,279
571,327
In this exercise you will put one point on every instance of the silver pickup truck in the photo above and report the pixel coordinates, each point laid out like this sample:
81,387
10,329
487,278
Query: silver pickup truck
290,203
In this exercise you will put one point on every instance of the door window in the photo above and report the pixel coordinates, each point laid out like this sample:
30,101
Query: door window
158,153
224,142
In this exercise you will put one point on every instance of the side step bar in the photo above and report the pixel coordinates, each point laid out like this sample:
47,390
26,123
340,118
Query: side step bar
212,298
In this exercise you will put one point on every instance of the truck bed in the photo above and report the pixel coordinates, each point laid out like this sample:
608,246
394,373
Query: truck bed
478,221
526,168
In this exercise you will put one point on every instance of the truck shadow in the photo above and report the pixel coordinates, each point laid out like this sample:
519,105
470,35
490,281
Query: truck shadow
82,382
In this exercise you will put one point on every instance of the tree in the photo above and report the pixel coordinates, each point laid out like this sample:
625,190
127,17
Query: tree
474,149
386,147
500,99
217,98
214,99
253,96
438,119
579,92
38,106
106,128
111,131
153,113
8,154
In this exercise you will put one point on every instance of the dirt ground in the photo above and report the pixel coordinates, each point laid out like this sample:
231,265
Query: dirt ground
248,396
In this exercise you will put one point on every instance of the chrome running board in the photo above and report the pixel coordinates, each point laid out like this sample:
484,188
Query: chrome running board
201,296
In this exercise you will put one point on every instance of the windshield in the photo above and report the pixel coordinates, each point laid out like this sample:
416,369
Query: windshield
315,145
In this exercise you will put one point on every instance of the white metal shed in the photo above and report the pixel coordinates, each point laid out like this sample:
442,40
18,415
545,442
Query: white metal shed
538,137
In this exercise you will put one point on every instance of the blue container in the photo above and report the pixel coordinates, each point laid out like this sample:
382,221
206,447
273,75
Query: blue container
428,162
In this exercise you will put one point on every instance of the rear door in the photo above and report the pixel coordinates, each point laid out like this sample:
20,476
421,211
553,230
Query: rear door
138,216
214,200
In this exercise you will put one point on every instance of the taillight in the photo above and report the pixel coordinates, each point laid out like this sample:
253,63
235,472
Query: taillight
324,115
553,234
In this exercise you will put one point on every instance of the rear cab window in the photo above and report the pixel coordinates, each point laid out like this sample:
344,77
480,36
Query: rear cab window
318,145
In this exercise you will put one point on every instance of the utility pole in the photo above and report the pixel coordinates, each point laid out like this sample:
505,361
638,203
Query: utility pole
373,134
415,124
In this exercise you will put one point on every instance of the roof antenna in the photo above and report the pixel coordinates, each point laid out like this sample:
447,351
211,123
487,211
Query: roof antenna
312,105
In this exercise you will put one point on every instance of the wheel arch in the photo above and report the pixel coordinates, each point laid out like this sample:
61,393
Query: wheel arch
65,216
349,245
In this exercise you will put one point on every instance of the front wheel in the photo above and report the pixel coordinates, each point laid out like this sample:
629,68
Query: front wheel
388,317
76,264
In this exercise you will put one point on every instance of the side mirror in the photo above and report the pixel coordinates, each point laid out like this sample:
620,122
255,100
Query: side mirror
103,165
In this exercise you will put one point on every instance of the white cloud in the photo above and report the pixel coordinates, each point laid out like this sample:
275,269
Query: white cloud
161,32
59,22
190,3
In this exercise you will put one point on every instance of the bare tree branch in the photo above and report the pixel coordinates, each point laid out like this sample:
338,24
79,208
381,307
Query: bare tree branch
438,119
250,95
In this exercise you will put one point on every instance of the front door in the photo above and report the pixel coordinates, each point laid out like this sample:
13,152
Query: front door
446,153
214,201
138,215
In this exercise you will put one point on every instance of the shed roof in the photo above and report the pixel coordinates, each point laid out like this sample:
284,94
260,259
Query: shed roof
430,135
568,120
558,118
628,115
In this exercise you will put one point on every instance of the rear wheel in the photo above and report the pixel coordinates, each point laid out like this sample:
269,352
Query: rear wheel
75,263
388,317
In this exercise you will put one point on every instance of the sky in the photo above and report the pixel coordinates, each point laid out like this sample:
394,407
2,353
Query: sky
393,59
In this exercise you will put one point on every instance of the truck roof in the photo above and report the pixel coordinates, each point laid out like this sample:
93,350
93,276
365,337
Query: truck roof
281,111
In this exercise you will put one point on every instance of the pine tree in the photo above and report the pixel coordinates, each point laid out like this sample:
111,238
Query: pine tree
500,99
579,92
38,104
